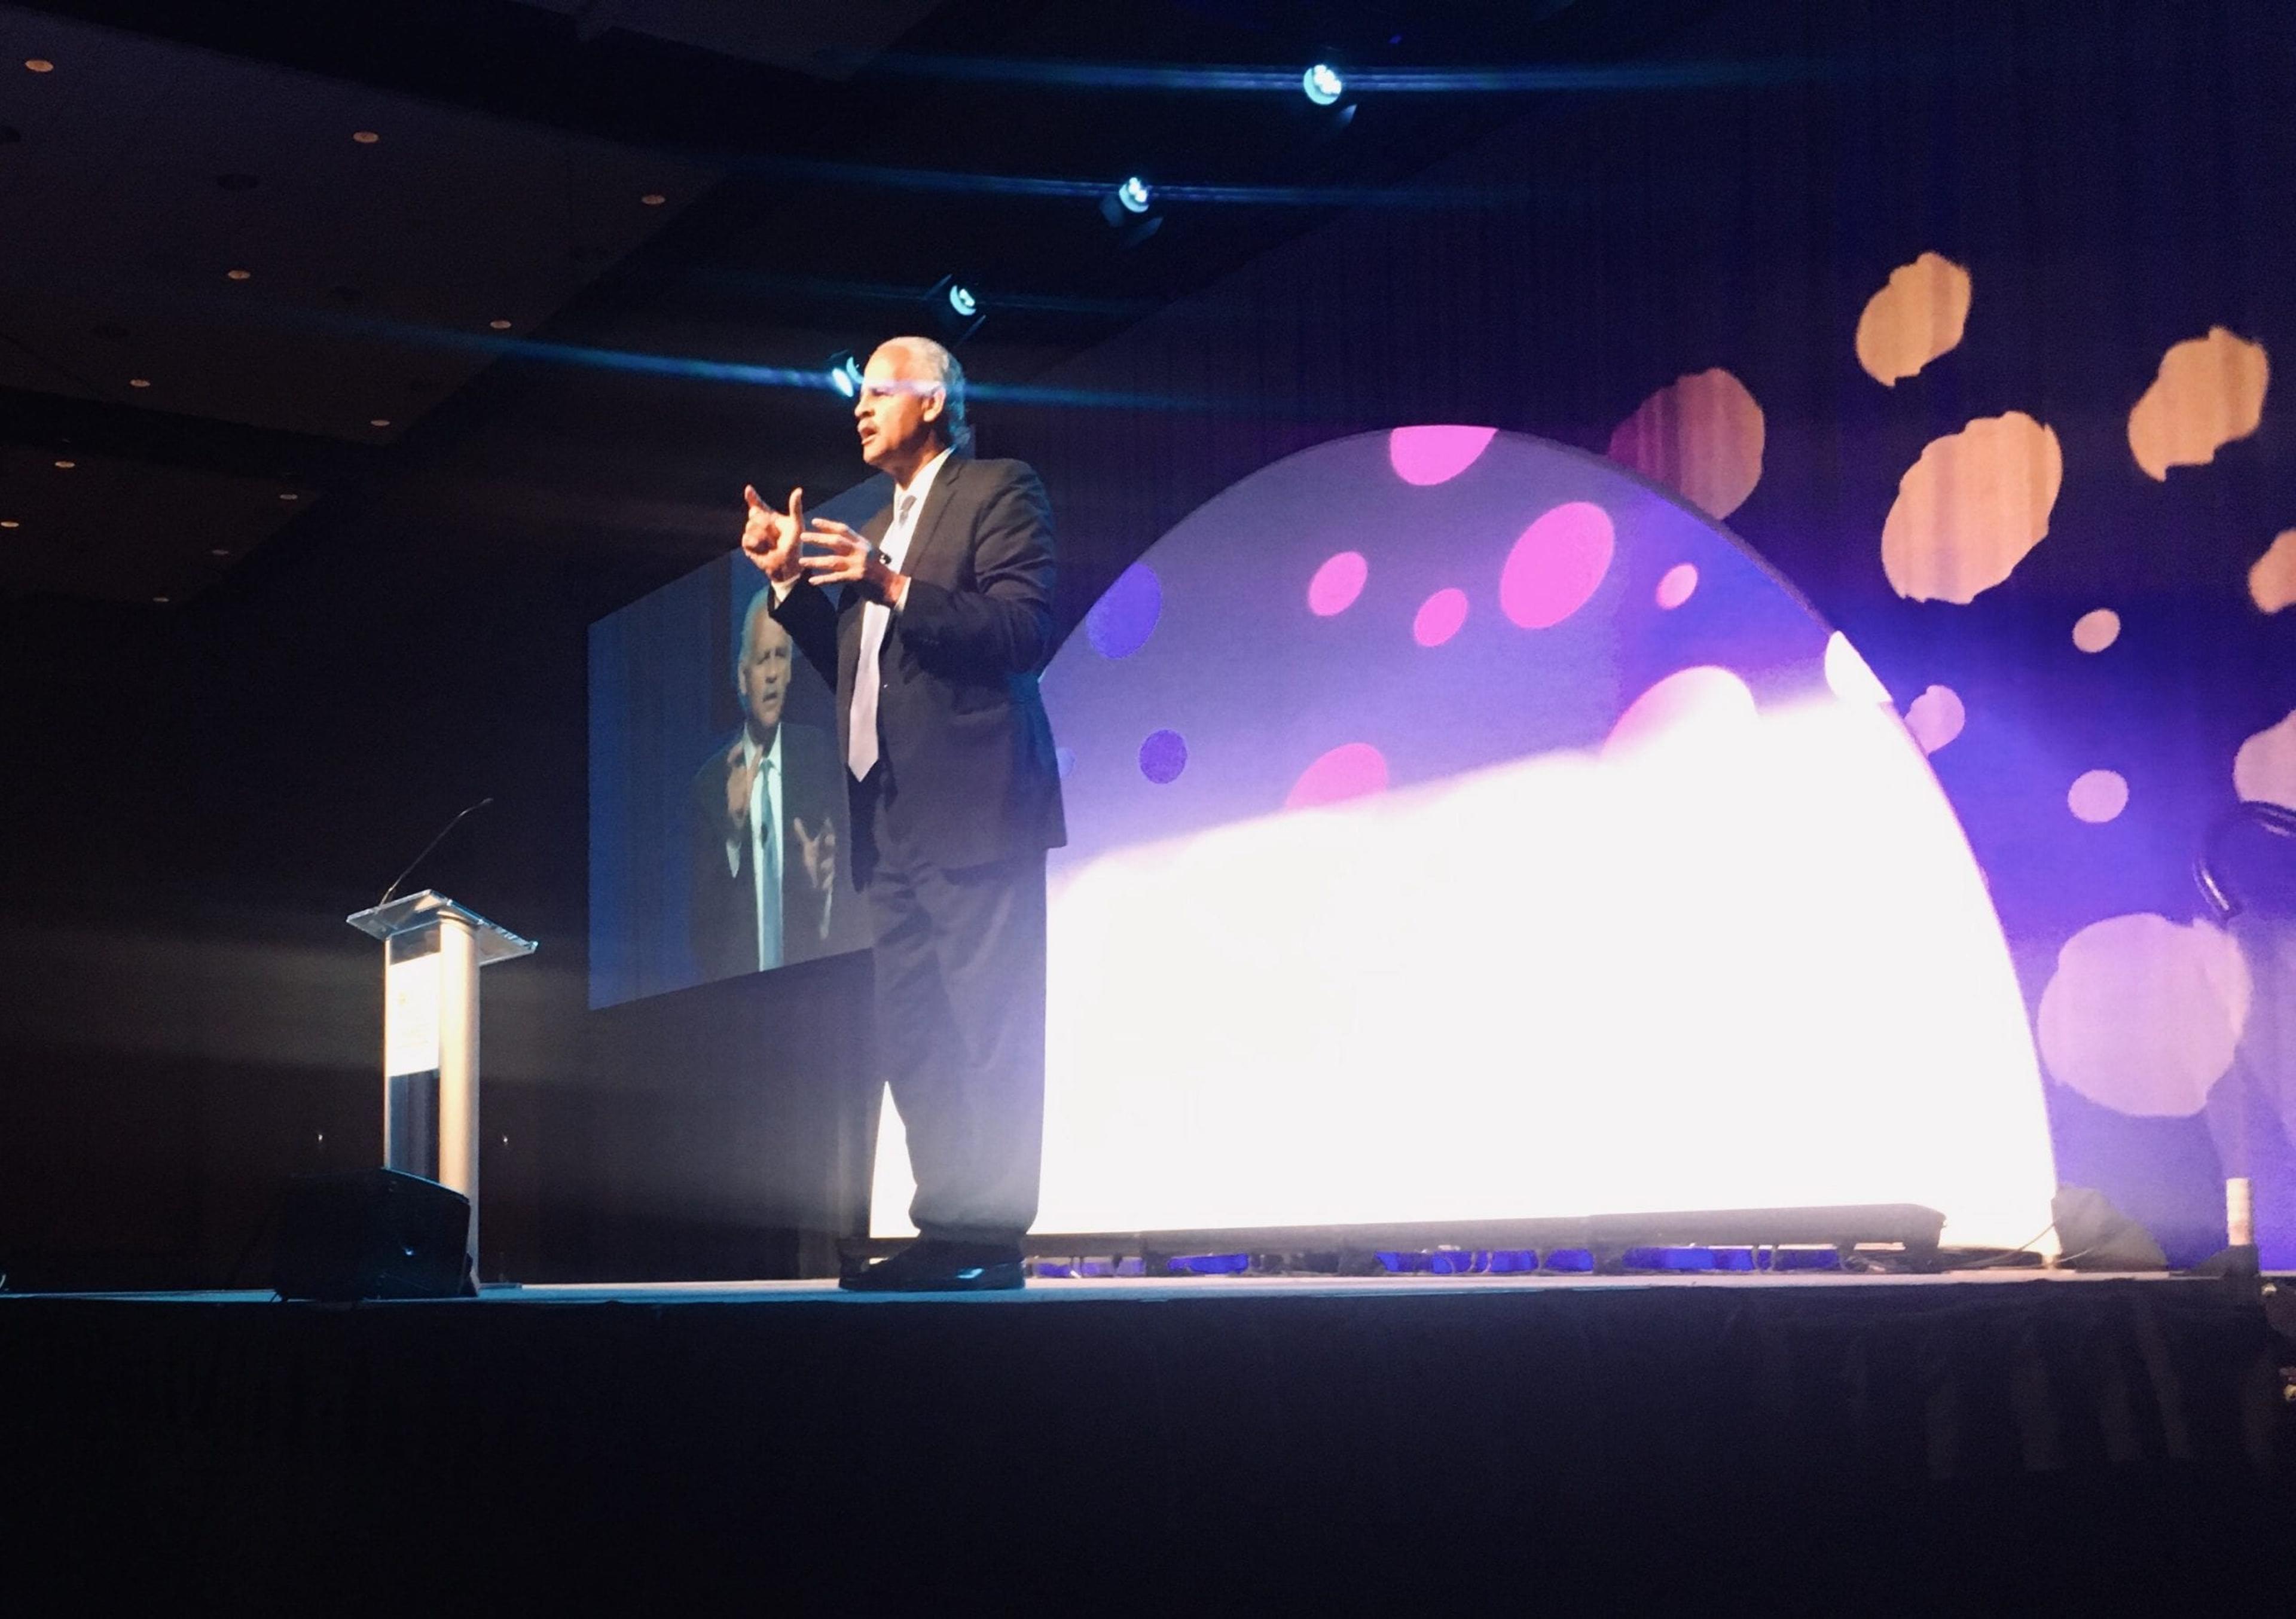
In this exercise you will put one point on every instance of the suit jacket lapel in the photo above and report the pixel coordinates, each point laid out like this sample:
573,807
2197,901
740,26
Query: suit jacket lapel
928,521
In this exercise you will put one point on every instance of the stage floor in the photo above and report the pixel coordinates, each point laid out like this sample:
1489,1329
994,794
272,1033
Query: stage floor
1214,1443
1175,1289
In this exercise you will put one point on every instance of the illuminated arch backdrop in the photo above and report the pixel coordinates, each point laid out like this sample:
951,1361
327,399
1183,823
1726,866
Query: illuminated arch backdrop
1468,828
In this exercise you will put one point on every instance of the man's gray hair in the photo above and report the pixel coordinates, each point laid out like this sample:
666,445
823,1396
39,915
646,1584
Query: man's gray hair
758,611
948,376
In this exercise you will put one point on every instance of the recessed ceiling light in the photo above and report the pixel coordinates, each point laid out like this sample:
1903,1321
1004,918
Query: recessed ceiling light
653,199
139,381
161,601
378,422
365,137
67,465
499,325
10,522
239,275
289,494
219,551
41,64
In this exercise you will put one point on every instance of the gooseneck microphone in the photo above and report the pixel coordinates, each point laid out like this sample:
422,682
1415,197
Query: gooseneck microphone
427,848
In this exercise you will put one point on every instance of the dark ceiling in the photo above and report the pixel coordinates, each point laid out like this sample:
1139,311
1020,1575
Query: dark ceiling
221,300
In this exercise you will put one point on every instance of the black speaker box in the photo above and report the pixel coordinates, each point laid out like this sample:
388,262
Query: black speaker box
372,1233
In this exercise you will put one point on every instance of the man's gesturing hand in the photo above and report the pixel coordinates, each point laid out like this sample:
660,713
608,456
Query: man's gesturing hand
770,538
836,555
817,854
741,776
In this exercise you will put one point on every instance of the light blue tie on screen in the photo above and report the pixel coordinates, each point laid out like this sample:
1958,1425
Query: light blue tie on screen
768,823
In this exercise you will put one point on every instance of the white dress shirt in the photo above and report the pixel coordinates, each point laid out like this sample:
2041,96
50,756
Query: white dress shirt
909,507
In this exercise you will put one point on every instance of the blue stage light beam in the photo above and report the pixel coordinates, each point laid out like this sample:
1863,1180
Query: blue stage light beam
892,292
1524,79
815,378
872,176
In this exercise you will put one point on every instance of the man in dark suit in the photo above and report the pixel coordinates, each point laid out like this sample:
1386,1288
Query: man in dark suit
939,622
764,811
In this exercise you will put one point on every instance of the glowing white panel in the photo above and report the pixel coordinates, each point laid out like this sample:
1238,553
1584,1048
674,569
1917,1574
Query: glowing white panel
1590,907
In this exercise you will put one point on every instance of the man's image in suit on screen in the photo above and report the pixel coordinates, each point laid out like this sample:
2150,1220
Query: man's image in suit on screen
934,619
765,811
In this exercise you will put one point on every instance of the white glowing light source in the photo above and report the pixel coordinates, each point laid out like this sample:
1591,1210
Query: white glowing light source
1133,195
961,300
411,993
1322,84
1597,1003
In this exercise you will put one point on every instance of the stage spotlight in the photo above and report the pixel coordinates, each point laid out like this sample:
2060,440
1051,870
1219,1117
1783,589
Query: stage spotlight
1322,84
1127,209
954,310
845,372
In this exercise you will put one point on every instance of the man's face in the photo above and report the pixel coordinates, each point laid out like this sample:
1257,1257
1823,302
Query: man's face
764,671
896,410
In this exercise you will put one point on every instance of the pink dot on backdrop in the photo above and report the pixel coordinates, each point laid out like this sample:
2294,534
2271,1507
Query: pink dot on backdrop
1336,584
1704,704
1440,618
1674,588
1936,718
2098,795
1435,454
2095,632
1556,565
1348,771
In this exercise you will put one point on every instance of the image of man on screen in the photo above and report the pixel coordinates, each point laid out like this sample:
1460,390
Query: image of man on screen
765,818
934,619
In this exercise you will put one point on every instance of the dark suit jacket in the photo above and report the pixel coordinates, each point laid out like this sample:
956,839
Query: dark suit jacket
965,743
722,915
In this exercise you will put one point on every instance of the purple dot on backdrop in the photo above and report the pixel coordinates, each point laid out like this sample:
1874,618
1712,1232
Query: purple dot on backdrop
1121,621
1163,756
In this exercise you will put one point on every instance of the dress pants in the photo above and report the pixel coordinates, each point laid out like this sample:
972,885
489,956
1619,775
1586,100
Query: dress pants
960,1027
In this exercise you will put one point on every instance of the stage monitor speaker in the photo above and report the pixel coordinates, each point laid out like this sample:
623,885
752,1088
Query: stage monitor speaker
372,1233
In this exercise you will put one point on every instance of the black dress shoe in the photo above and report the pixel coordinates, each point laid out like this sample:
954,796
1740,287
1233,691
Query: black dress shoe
928,1265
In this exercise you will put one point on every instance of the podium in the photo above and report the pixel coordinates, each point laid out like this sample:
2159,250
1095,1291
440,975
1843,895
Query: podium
432,949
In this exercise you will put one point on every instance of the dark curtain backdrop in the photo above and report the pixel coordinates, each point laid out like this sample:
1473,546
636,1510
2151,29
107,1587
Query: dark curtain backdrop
2110,176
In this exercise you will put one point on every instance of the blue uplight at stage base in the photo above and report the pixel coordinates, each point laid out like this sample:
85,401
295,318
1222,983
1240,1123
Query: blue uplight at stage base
1322,84
1212,1264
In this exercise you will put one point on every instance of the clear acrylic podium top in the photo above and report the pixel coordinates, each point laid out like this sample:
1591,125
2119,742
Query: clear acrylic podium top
411,910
